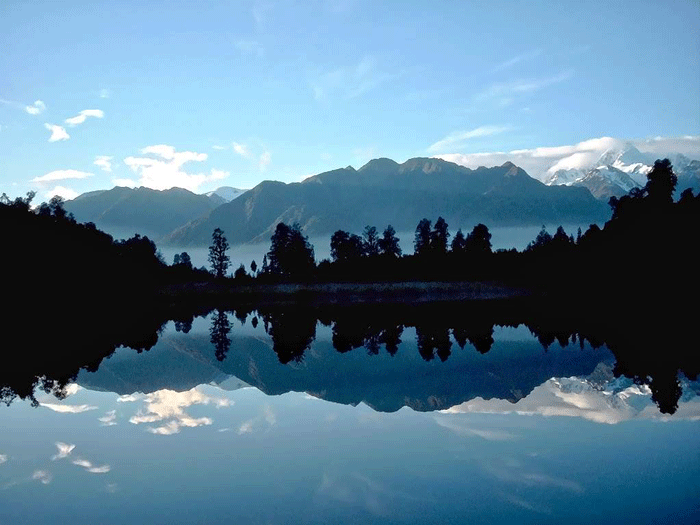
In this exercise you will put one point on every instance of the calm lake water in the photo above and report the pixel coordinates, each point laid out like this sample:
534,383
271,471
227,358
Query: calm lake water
223,421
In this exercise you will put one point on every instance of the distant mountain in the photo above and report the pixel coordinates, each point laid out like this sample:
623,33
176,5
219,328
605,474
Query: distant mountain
224,194
122,212
618,170
384,192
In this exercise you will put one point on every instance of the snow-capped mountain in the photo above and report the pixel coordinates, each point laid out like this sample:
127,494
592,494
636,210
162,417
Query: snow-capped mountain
225,193
620,169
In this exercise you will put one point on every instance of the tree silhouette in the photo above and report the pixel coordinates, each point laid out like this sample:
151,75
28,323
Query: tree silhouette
370,241
478,241
219,330
458,242
421,242
217,253
438,237
389,243
290,256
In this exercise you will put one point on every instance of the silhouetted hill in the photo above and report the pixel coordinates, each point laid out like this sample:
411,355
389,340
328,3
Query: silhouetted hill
384,192
123,212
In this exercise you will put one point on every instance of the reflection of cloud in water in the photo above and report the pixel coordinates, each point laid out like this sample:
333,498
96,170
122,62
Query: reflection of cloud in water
128,398
515,473
268,416
520,502
620,400
88,466
43,476
490,435
108,419
169,406
64,450
359,490
3,458
68,409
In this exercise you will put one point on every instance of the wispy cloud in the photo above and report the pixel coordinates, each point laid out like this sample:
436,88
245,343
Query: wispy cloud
3,458
62,175
84,114
104,162
43,476
502,94
511,62
89,467
105,93
68,409
457,139
36,108
57,132
109,419
166,169
350,81
250,47
264,161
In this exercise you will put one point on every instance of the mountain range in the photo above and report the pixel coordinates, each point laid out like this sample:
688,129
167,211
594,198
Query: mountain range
379,193
620,169
384,192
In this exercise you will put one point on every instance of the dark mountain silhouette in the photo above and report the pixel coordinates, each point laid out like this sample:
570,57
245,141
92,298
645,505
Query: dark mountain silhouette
385,192
122,212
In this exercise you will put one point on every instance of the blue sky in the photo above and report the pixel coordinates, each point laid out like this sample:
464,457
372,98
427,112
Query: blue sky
204,94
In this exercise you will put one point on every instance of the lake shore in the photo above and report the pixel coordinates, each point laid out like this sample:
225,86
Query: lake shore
338,292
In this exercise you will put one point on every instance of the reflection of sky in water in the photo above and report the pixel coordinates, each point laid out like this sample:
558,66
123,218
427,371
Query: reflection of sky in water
571,449
214,456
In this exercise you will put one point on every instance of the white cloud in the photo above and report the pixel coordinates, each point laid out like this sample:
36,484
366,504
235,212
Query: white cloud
43,476
62,175
93,469
458,138
80,117
241,149
542,161
61,191
168,406
105,93
218,148
246,427
64,450
57,132
104,162
36,108
109,419
166,170
68,409
264,161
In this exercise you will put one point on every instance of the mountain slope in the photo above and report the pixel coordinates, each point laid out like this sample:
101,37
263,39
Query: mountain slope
383,192
125,211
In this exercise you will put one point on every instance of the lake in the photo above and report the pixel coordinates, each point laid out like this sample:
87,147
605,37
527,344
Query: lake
385,414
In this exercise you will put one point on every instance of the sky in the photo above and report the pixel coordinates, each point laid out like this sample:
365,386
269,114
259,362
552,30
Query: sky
207,94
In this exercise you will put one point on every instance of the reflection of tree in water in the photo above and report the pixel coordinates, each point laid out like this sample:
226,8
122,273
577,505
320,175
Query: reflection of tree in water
368,331
219,331
477,331
292,331
433,339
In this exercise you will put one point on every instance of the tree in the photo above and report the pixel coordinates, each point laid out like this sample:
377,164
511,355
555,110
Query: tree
389,243
290,253
182,259
478,241
217,253
346,247
438,237
661,183
253,267
240,272
458,242
421,242
370,241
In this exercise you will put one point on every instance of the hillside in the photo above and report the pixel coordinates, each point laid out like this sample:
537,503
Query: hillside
384,192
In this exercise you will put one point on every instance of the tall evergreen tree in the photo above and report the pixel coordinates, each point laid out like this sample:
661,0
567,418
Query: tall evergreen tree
217,253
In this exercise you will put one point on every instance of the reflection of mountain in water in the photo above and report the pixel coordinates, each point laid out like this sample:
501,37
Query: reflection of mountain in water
509,371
